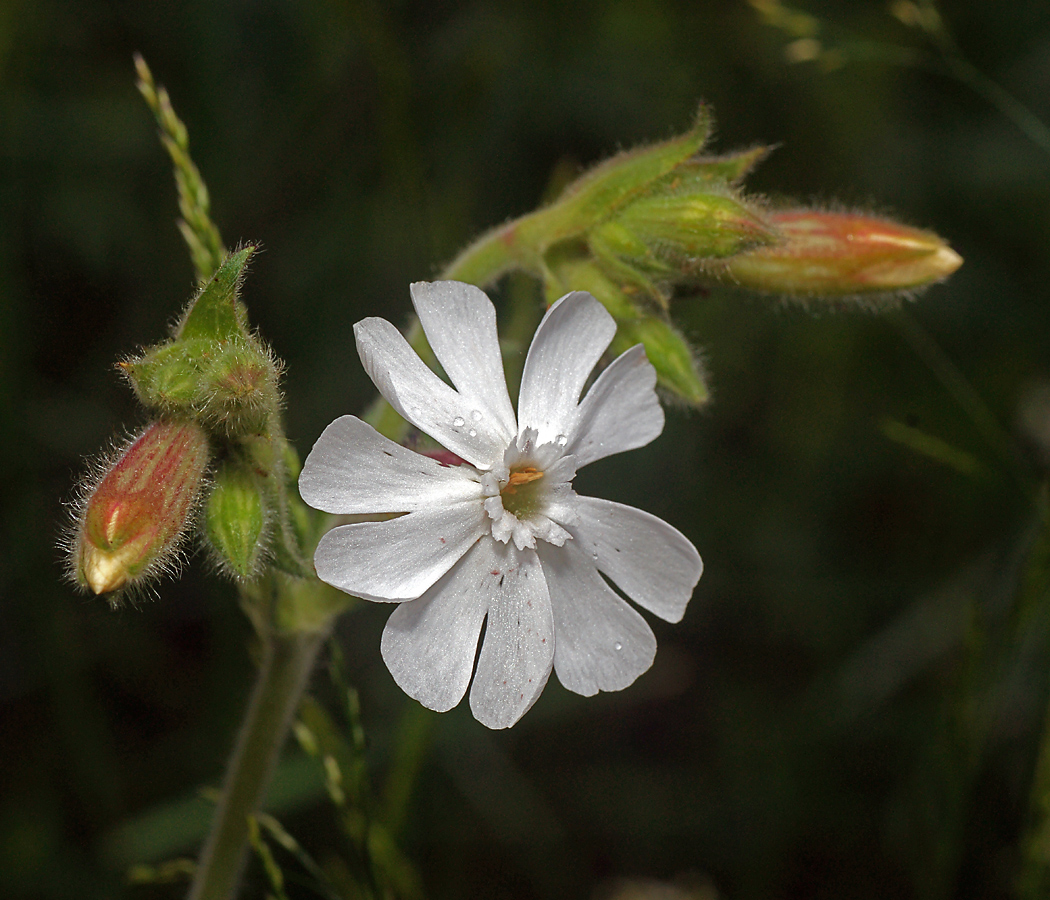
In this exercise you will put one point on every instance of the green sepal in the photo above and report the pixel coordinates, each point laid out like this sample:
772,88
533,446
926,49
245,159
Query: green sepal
237,517
598,194
216,313
729,169
677,370
166,378
678,230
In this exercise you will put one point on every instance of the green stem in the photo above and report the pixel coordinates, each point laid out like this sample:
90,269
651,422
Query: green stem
493,254
287,662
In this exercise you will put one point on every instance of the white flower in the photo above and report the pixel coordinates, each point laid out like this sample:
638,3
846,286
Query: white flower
503,539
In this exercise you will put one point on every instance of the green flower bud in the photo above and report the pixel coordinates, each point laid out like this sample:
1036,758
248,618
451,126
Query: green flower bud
237,519
229,386
167,378
678,371
133,519
671,234
238,388
214,370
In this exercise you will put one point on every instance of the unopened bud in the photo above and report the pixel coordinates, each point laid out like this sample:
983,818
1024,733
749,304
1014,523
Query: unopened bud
236,520
239,388
671,233
133,519
678,370
843,255
230,386
214,370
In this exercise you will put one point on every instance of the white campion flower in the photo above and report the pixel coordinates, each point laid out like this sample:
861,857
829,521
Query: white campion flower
502,538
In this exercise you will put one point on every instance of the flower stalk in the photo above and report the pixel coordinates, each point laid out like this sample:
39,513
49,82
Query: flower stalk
287,661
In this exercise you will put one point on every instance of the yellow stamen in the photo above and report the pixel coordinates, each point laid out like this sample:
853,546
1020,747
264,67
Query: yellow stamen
523,476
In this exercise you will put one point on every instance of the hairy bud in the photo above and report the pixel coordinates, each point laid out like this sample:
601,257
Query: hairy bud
213,370
844,255
678,370
236,519
134,517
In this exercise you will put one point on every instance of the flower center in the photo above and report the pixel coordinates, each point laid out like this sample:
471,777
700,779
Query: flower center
529,497
521,495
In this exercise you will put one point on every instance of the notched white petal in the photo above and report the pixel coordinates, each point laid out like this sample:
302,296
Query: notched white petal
621,410
401,558
603,644
568,344
650,561
429,644
460,324
424,399
354,469
518,651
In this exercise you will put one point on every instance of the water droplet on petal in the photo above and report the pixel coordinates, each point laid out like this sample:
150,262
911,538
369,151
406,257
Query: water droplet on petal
476,415
561,440
617,646
472,433
457,422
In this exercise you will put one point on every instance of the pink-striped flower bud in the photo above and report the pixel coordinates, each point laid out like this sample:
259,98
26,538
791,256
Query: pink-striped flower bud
833,254
132,520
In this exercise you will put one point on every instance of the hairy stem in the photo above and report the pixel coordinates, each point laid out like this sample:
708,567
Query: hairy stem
287,662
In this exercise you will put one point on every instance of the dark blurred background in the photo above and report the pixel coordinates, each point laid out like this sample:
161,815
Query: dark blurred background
845,710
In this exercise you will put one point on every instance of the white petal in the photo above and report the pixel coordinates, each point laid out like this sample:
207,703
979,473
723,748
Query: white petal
460,325
518,651
603,644
401,558
354,469
568,344
424,399
429,644
650,561
621,410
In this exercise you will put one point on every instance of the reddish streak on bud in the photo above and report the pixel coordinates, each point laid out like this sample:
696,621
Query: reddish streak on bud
837,254
134,518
